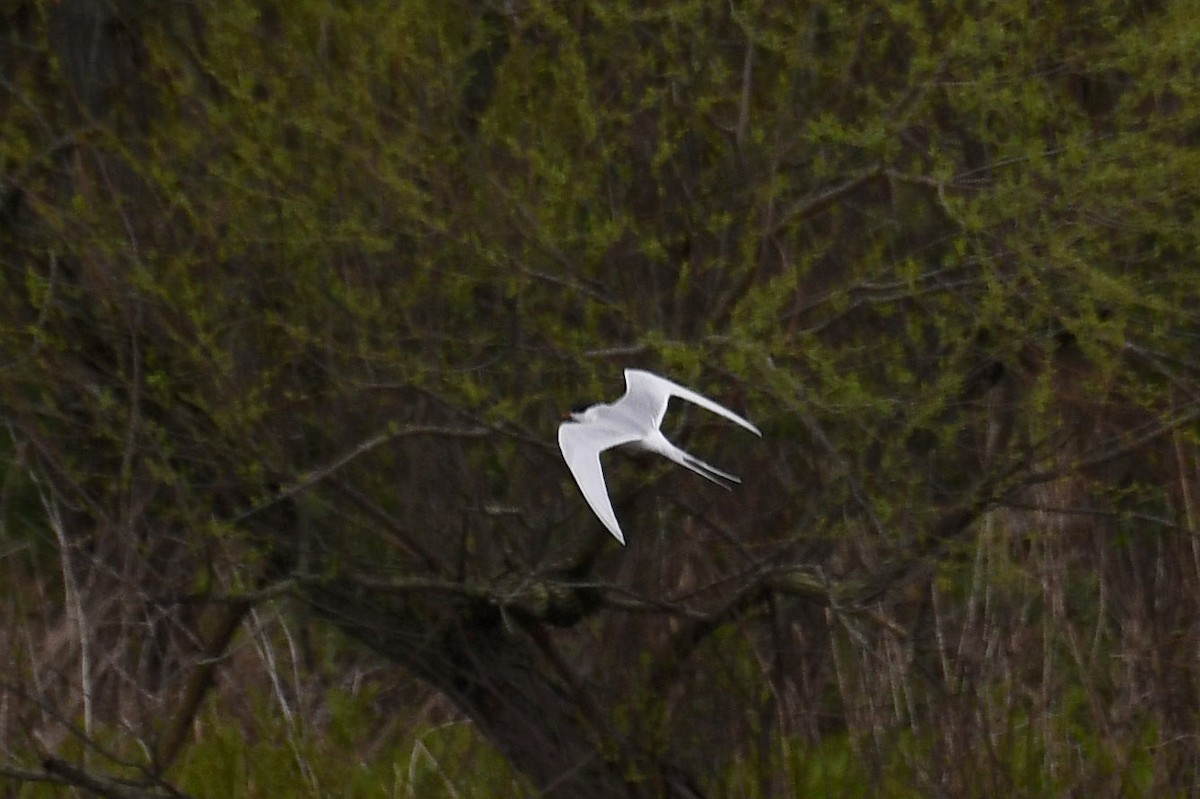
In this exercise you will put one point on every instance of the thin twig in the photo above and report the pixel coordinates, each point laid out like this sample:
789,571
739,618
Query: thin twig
390,434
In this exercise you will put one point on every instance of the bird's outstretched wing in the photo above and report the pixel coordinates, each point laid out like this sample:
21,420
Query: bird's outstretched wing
648,390
581,445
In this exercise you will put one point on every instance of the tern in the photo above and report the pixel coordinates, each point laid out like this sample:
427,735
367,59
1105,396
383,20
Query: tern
632,421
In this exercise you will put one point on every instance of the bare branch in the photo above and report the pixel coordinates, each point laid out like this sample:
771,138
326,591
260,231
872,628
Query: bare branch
392,433
103,785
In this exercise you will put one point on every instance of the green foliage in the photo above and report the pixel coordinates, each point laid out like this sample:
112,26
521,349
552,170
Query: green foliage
837,766
278,757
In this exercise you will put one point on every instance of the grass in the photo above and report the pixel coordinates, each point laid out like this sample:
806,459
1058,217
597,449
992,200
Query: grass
343,756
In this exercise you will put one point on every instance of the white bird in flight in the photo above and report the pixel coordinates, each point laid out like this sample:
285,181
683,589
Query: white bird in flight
633,420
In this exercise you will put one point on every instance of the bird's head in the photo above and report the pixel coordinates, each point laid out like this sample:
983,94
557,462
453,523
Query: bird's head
578,412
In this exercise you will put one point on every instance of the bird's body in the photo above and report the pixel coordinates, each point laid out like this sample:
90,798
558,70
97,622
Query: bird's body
632,421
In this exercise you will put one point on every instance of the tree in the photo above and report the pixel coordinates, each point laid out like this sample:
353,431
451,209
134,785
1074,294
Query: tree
293,297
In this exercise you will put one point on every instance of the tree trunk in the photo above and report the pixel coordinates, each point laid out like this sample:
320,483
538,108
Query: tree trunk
490,664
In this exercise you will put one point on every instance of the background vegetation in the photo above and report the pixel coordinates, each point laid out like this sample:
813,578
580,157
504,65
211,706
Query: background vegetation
292,295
